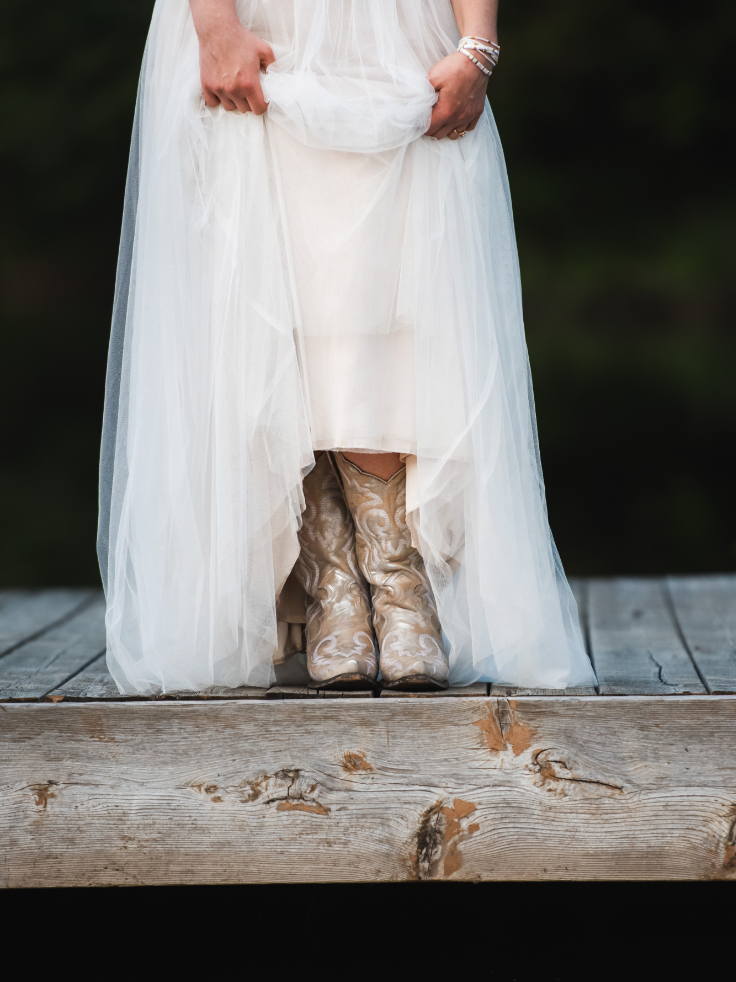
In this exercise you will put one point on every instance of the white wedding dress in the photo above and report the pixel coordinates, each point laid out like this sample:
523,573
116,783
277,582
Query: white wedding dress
321,277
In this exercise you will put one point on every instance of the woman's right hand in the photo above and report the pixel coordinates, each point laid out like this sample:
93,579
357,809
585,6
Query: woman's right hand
230,58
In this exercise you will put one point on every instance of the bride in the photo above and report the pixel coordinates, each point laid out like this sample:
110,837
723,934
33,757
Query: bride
319,428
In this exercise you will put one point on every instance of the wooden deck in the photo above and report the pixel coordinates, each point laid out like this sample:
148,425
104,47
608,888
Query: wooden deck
633,780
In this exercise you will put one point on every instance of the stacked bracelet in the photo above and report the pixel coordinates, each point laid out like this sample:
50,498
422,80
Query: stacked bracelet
488,50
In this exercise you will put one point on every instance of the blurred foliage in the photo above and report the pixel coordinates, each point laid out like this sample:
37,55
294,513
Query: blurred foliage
68,79
616,118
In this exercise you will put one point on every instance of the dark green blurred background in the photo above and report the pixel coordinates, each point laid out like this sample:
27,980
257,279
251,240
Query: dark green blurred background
616,117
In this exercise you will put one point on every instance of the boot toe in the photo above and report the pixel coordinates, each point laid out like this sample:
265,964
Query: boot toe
397,670
419,668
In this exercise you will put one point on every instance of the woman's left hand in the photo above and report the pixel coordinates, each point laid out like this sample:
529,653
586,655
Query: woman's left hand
461,96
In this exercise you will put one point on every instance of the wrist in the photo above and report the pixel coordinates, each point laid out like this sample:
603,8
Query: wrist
214,20
475,31
479,27
481,52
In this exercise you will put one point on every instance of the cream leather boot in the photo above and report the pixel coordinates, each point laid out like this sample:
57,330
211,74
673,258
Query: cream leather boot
340,640
404,611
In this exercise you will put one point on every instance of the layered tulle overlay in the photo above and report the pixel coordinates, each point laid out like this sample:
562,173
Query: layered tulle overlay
260,256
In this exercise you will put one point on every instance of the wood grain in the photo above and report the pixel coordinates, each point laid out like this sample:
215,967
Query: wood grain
40,665
27,613
357,694
291,692
475,689
95,684
514,691
636,646
705,607
321,790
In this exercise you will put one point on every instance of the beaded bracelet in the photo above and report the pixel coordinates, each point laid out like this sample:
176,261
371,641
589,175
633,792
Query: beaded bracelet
485,48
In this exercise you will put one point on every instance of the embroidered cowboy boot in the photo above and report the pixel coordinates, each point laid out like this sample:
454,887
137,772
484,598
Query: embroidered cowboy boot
404,611
340,640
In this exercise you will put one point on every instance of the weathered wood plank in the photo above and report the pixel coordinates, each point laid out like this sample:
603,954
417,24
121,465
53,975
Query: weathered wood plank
475,689
217,692
513,691
95,684
705,607
291,692
357,694
367,790
26,613
40,665
635,643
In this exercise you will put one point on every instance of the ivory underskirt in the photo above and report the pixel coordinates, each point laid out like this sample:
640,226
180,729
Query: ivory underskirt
345,240
361,392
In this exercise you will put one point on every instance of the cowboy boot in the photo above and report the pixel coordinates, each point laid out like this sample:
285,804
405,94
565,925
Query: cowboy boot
340,641
405,619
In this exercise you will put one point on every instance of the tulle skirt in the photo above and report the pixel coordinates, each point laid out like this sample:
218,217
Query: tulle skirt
323,276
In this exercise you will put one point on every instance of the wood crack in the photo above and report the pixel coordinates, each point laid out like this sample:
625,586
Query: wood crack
546,770
76,672
660,669
670,603
262,789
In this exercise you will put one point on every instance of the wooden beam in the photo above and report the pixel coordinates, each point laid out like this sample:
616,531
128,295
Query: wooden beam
475,689
705,608
513,691
636,645
319,790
